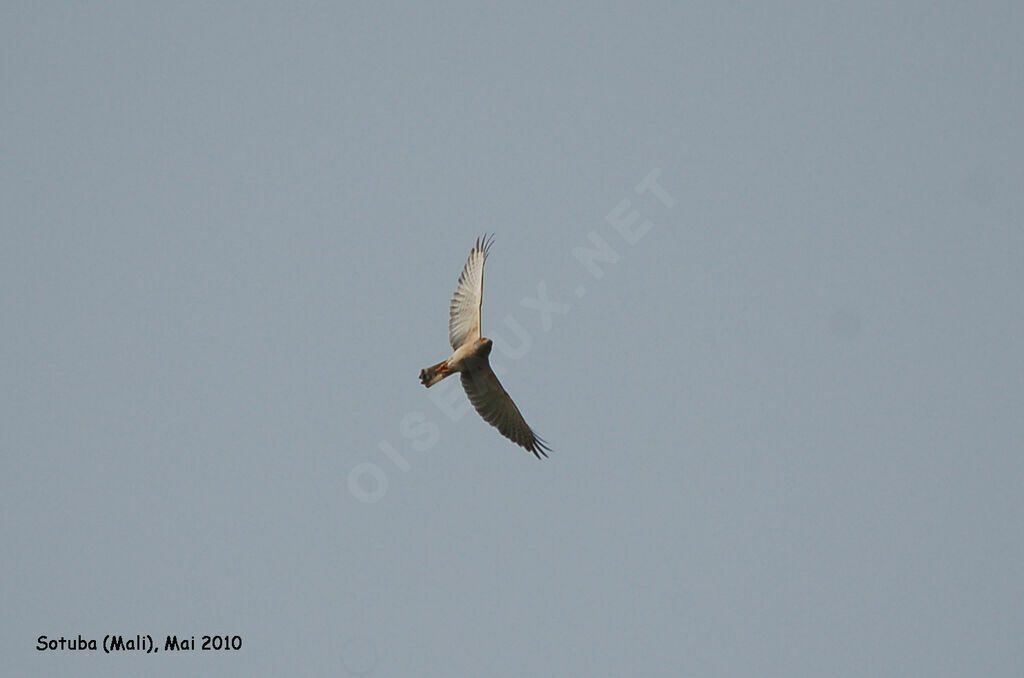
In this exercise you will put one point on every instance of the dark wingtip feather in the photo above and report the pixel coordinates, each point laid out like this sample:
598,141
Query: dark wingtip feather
484,243
539,447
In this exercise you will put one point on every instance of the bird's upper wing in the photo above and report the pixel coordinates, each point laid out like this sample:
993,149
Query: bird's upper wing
493,403
464,312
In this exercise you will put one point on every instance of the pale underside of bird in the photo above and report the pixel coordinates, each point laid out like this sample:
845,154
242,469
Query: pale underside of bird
470,358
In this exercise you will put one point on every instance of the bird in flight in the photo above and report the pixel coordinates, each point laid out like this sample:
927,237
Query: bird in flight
485,392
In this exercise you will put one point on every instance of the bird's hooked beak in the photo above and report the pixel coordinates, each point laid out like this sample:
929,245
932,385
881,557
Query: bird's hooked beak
486,345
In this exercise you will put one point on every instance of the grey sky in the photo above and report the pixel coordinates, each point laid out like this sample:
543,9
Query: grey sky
786,421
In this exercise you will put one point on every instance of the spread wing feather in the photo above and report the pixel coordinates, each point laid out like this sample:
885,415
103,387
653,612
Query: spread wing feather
464,312
493,403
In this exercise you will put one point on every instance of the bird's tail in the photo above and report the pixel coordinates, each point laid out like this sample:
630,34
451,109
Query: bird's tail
432,375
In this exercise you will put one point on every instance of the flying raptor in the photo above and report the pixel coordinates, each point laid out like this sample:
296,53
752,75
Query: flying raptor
470,358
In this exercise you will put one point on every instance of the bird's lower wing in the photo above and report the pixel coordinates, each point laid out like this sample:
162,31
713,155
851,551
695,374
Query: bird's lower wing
493,403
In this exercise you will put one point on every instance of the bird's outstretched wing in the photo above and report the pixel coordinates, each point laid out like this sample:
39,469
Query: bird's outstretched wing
464,312
493,403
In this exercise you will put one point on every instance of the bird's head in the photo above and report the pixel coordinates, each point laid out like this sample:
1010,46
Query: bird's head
485,345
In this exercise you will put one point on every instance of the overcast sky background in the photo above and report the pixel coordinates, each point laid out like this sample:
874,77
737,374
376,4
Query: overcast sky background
786,421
